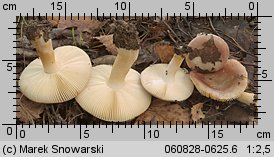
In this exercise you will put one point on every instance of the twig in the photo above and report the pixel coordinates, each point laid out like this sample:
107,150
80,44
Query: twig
235,43
56,114
171,37
223,19
225,109
172,32
183,30
254,29
247,64
212,27
143,36
214,115
188,24
80,114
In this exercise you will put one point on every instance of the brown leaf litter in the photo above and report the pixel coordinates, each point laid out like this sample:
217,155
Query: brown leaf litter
107,41
164,51
163,111
29,111
197,114
82,25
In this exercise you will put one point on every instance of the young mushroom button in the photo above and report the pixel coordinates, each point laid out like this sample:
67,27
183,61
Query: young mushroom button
167,81
114,93
209,53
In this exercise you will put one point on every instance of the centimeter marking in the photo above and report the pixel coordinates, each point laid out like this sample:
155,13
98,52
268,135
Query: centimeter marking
129,14
146,127
155,15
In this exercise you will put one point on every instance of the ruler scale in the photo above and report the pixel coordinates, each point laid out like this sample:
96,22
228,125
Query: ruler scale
106,138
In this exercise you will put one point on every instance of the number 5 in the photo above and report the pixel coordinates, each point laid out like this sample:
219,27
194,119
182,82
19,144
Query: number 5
187,6
9,66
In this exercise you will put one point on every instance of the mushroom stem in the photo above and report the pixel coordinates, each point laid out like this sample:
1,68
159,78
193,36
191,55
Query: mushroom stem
46,53
247,98
174,66
121,67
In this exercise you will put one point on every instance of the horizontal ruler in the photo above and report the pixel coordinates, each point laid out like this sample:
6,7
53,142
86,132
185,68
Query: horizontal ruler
130,8
133,132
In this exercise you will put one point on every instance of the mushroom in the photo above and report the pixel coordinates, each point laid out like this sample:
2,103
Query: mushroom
168,81
209,53
114,93
57,75
214,75
226,84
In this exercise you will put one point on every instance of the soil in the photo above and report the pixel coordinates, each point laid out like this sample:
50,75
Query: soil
125,35
238,33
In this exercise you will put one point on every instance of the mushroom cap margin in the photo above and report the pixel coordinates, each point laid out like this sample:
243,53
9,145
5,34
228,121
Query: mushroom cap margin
178,88
224,85
110,104
70,79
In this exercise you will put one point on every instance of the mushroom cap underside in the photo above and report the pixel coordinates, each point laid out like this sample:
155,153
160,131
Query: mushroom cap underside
156,82
110,104
73,71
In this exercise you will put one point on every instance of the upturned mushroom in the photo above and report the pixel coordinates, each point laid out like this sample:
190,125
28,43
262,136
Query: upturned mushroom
168,81
214,75
208,53
57,75
226,84
223,85
114,93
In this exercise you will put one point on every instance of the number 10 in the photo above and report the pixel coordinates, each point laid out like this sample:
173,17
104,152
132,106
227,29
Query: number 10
121,6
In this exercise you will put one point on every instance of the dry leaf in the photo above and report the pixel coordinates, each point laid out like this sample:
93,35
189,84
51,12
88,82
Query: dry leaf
54,20
107,59
107,41
29,110
165,111
157,31
237,113
197,113
164,51
82,25
150,116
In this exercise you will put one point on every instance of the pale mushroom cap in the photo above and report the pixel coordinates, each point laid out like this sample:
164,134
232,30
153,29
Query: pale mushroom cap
226,84
110,104
209,61
178,88
73,71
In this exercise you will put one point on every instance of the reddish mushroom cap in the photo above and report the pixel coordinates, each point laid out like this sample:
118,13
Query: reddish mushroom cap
226,84
209,53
